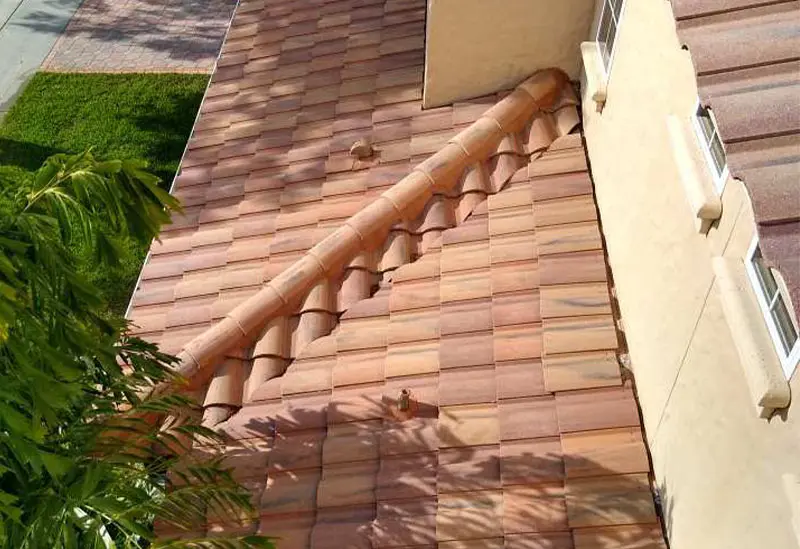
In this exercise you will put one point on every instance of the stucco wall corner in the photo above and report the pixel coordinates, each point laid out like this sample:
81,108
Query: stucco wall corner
476,47
768,386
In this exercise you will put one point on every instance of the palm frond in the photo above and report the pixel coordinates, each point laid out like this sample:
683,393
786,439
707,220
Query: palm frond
86,458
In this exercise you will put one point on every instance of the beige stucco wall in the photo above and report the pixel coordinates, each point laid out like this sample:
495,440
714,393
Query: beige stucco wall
475,47
721,468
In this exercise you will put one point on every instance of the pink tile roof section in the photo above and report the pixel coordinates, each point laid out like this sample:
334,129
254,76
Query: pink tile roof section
520,430
423,200
463,264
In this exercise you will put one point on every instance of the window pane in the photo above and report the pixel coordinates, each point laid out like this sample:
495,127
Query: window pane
706,123
718,154
602,28
768,283
612,36
711,139
617,7
602,35
783,321
605,54
605,51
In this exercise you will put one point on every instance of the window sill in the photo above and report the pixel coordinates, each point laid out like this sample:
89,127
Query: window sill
704,201
762,368
595,73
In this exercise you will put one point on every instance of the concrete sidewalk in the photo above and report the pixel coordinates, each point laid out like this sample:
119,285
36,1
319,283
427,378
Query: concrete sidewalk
28,30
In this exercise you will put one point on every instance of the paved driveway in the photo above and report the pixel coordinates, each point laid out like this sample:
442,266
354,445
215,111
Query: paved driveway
142,36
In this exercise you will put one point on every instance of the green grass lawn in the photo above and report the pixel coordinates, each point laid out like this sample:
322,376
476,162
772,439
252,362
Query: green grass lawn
120,116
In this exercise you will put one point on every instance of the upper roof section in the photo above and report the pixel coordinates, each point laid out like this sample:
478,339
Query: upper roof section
474,47
747,57
279,217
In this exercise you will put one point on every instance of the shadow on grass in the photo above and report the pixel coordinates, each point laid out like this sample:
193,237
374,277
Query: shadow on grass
24,155
169,129
147,117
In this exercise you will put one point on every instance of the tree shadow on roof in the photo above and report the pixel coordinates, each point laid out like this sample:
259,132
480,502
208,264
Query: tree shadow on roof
418,494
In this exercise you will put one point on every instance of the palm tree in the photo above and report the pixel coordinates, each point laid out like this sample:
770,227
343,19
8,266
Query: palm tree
82,463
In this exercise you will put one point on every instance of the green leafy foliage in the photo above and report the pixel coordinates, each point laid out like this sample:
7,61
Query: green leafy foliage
87,461
124,116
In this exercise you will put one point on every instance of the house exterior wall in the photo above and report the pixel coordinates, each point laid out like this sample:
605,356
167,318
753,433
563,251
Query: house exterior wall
475,47
724,473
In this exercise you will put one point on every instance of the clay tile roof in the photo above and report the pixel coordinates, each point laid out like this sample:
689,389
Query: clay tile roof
518,430
746,56
437,194
411,350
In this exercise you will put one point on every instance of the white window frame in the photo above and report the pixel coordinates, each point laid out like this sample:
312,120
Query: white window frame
720,178
789,361
605,4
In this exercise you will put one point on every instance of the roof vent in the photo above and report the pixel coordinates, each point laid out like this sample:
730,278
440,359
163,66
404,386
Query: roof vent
362,149
404,401
405,407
